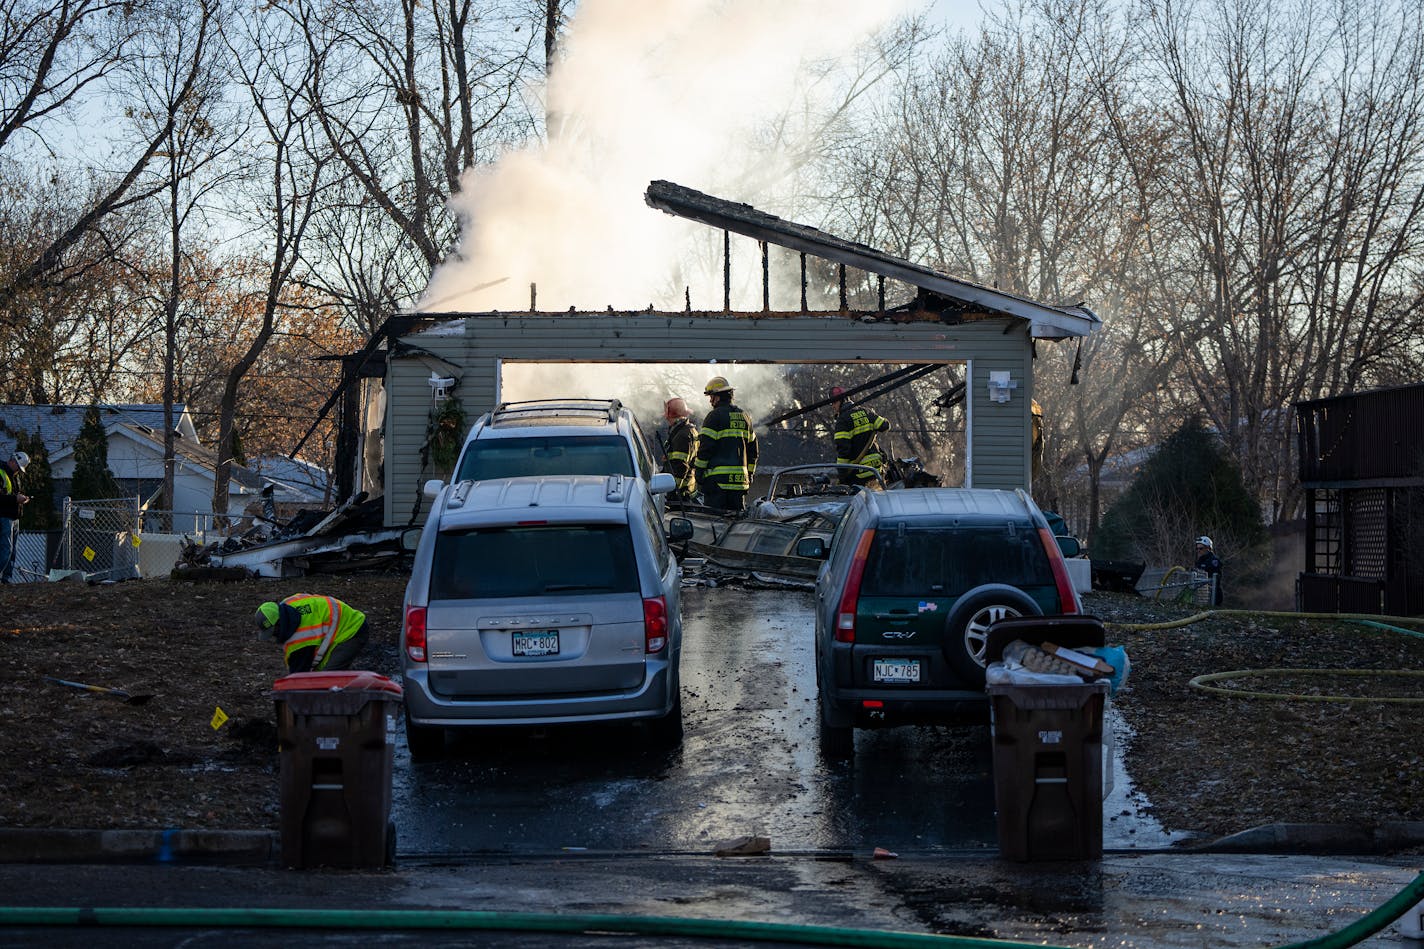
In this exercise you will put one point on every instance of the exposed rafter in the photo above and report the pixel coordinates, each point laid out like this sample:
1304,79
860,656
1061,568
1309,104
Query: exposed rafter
1046,322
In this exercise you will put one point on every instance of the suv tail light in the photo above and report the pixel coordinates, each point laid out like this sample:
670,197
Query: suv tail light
845,612
1067,596
415,633
655,624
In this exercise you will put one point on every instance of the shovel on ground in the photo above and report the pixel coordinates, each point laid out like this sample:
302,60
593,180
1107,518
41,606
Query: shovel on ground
128,697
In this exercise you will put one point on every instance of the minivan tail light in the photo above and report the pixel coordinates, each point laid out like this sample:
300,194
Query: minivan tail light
845,612
1067,596
415,633
655,624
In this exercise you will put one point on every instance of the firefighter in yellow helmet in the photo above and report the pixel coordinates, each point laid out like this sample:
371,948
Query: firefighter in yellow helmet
726,450
681,448
316,632
855,429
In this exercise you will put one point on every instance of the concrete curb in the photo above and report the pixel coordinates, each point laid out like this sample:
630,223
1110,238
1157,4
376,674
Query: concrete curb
228,847
1320,839
262,848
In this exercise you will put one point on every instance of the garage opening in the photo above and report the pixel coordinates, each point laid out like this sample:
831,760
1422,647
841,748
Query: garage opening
923,402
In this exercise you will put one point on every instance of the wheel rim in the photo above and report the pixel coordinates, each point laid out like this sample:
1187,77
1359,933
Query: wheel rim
976,631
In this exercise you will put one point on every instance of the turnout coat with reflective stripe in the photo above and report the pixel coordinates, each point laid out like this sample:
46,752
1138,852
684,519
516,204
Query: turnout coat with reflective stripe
323,622
682,454
727,449
856,427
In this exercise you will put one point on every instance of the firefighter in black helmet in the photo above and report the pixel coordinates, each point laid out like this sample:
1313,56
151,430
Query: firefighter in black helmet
726,450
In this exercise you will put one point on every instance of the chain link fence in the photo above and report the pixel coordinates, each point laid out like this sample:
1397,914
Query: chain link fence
111,539
101,538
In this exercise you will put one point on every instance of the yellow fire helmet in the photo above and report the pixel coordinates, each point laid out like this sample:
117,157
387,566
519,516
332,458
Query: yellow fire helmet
716,384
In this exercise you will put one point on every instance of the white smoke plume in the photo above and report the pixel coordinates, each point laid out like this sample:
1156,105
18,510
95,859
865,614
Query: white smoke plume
681,90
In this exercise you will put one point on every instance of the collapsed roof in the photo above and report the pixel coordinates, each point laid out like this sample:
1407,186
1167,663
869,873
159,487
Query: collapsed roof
959,296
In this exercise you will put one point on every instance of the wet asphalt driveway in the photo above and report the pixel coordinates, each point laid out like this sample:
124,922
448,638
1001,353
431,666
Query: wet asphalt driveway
748,765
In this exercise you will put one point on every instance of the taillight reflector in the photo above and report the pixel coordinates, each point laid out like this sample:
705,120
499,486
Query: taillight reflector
845,611
1067,596
415,633
655,624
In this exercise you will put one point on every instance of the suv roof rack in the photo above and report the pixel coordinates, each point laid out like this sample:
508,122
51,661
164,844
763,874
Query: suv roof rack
509,410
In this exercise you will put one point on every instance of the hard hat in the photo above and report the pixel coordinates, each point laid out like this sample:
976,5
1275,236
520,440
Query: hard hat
676,408
22,460
266,618
837,392
1203,541
716,384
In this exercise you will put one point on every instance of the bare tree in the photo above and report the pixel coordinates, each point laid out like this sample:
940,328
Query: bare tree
54,57
290,175
1297,177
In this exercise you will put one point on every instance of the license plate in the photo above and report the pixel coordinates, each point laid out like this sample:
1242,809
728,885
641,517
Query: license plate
896,670
537,644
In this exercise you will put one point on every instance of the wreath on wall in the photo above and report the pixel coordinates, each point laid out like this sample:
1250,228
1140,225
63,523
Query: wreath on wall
446,433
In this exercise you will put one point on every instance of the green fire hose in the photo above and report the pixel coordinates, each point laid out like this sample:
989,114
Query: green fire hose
596,924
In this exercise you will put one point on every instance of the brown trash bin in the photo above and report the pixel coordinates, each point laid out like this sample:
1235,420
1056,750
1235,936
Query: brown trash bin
1048,770
334,741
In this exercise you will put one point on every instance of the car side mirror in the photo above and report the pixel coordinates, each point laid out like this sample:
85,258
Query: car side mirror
410,538
431,489
679,528
812,548
662,483
1069,545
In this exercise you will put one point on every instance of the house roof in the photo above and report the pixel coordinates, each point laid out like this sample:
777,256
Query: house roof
58,425
304,481
1049,322
202,461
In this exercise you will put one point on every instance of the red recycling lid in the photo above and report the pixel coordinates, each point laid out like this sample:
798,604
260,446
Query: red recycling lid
335,682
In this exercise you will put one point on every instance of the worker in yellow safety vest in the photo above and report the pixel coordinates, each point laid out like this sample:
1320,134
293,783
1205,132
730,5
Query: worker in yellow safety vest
855,430
317,632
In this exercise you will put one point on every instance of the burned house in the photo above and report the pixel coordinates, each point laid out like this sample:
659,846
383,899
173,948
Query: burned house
987,333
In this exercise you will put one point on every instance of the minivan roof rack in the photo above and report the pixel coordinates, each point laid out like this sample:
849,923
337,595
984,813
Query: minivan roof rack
609,407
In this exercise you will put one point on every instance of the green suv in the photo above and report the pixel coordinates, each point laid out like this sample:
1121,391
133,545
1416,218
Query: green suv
912,581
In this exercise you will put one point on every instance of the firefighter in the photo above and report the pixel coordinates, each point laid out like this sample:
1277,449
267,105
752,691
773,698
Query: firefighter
855,430
316,632
681,448
1210,564
726,450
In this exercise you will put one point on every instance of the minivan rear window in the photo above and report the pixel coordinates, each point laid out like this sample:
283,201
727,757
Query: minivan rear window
919,562
550,455
562,560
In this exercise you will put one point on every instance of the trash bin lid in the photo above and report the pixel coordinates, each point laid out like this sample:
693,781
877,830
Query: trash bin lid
357,681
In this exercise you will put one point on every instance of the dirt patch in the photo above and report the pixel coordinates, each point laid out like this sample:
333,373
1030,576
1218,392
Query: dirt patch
1209,763
77,758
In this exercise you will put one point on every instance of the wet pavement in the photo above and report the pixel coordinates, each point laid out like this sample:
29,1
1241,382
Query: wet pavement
749,765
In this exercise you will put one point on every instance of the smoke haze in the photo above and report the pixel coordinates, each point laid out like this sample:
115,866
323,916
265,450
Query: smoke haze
645,90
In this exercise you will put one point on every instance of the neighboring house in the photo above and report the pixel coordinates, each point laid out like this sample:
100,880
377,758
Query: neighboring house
1362,468
135,449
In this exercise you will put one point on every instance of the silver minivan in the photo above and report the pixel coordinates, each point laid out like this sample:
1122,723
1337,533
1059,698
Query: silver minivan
542,600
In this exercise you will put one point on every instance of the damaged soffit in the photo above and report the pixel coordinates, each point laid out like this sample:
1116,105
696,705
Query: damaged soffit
1046,322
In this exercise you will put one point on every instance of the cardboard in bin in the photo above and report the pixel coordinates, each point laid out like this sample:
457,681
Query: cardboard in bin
1073,631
